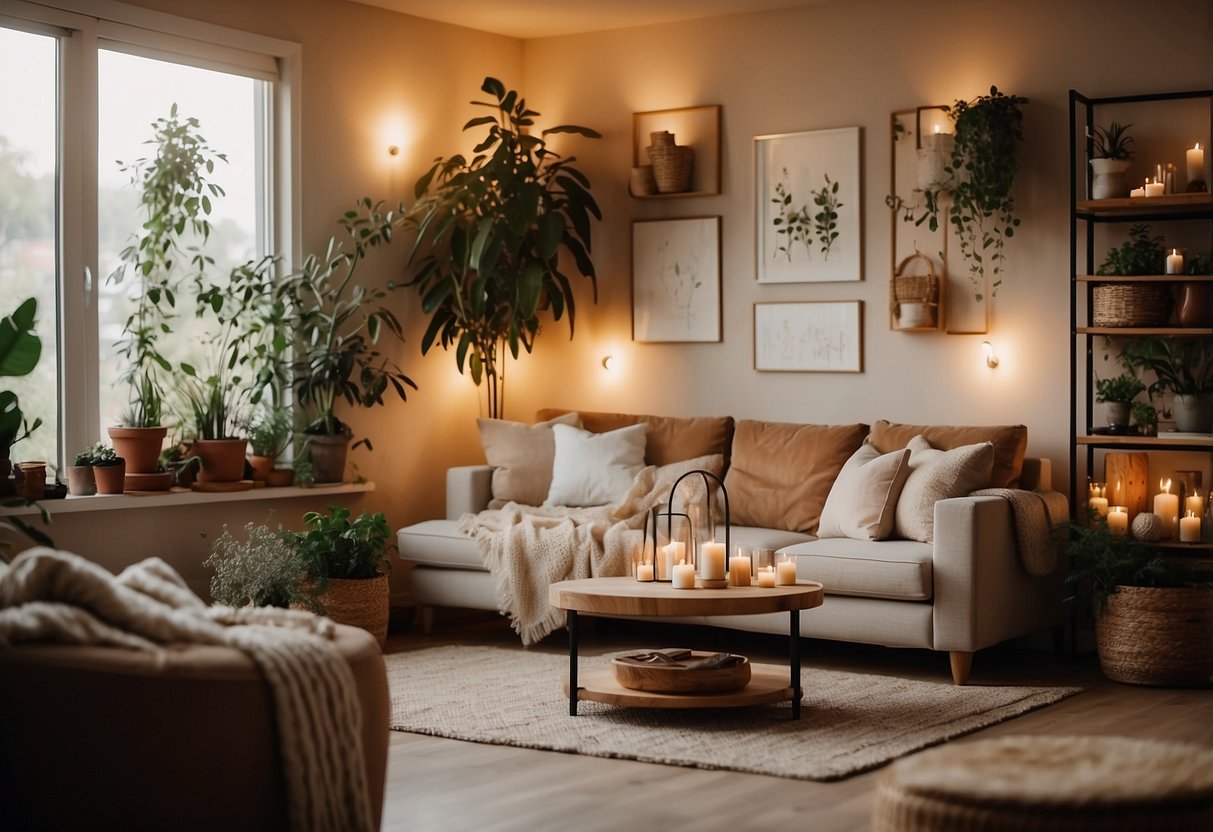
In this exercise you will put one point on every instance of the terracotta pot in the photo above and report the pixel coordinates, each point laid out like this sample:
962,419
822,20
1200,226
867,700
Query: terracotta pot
34,478
281,477
222,459
80,480
140,447
262,466
328,454
111,479
359,603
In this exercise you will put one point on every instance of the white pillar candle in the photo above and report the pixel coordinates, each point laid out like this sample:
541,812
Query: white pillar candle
766,577
684,575
739,571
711,560
785,571
1100,504
1118,519
1175,262
1155,189
644,572
1166,506
671,553
1138,191
1196,163
1189,529
1195,504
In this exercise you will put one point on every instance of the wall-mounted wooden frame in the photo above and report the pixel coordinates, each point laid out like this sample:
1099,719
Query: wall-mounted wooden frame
694,127
676,280
809,336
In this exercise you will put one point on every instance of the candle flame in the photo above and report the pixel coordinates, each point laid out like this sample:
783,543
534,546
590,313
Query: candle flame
1197,146
938,128
1165,485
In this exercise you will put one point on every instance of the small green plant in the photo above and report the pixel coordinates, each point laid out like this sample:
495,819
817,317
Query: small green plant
263,570
98,455
825,221
334,546
1112,142
1140,254
1200,263
1121,388
270,431
1145,417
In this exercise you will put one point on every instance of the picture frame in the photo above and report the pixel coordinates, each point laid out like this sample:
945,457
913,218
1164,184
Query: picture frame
809,336
808,207
676,280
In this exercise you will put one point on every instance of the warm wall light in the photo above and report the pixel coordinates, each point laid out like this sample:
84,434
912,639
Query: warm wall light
393,150
934,142
991,358
608,362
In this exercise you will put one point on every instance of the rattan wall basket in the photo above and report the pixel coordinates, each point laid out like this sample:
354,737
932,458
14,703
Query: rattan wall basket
914,298
1131,304
1157,636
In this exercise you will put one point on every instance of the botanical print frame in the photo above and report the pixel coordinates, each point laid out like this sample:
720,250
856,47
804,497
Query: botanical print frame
808,211
676,280
809,336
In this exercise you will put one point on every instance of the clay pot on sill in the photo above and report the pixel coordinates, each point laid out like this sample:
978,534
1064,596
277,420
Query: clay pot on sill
80,480
140,447
222,459
111,479
262,467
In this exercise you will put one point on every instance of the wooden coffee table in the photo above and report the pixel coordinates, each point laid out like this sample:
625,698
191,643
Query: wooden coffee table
625,597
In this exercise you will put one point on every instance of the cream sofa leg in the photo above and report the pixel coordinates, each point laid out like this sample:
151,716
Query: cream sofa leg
427,619
962,663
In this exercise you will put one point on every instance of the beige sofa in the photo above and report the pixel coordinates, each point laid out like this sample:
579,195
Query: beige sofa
964,590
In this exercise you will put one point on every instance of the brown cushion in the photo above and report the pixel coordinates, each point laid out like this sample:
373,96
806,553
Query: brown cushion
781,473
668,438
1010,444
522,457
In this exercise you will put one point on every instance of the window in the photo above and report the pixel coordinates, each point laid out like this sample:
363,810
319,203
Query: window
78,95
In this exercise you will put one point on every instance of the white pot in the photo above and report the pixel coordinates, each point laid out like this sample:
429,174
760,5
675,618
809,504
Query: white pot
1109,181
1193,414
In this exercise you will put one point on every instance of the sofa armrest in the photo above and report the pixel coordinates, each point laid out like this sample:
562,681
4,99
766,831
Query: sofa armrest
468,490
982,593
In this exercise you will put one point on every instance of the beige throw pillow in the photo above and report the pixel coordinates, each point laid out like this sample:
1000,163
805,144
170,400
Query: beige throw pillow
863,500
938,475
521,456
594,469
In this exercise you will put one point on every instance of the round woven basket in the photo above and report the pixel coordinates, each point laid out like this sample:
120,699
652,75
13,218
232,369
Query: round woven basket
359,603
914,298
1131,304
671,167
1162,637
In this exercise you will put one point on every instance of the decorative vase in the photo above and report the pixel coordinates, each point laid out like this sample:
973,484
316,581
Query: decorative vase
111,479
1194,304
1153,636
328,454
359,603
1118,413
140,447
222,459
80,480
1109,180
1193,414
671,163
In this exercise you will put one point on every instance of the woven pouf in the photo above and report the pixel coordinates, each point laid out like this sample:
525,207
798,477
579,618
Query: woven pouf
1049,784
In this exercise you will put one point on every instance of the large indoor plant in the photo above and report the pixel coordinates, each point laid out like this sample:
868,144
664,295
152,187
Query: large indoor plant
1183,367
346,561
1153,615
20,349
490,230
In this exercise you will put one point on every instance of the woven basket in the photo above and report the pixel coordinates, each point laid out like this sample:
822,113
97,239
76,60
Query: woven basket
1131,304
671,167
919,289
1151,636
359,603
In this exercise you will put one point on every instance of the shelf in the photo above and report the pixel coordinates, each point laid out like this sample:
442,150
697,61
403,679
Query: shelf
1163,331
183,497
1146,206
1175,547
694,127
680,195
1144,278
1183,441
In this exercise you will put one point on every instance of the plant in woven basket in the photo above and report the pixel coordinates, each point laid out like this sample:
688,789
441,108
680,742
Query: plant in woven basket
1140,254
334,546
263,570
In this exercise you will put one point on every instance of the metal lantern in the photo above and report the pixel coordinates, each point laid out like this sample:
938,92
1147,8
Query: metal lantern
677,535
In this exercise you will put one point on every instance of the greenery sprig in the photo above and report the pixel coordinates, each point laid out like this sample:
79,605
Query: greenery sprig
825,221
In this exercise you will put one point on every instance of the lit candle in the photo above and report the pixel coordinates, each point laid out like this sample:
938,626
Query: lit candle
671,553
1155,189
1196,164
1166,506
711,559
1138,191
766,577
684,575
1118,520
1097,500
1189,528
644,571
785,570
1195,504
739,571
1175,262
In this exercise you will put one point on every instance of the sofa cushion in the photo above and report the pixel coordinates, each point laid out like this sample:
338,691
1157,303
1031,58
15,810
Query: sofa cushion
668,438
781,473
594,469
755,537
438,543
938,475
895,569
863,500
1010,444
521,456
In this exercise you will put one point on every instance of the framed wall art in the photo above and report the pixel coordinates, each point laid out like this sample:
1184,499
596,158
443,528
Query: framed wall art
809,336
676,280
807,207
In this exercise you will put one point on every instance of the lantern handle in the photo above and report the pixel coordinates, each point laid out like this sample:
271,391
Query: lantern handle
708,489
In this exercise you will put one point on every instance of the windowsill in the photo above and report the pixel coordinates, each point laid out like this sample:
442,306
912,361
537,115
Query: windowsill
183,497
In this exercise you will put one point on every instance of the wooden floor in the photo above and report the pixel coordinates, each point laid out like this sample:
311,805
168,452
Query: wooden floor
448,785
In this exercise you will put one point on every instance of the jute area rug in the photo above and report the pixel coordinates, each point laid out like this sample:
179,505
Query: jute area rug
849,722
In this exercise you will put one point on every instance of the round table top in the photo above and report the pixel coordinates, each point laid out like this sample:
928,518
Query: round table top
627,596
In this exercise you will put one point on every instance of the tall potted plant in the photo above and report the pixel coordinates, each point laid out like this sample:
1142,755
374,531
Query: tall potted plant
490,229
20,349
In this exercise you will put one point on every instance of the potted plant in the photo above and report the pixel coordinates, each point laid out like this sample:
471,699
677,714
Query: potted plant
346,562
1145,417
1153,616
20,349
270,432
337,323
1118,393
1111,150
1139,254
490,230
1132,303
80,479
109,469
263,570
178,460
1183,366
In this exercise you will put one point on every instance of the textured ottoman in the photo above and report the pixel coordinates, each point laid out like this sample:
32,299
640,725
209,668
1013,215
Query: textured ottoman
1049,784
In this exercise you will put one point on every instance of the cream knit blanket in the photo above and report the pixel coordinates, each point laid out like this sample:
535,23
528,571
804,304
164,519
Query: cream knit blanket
528,548
54,596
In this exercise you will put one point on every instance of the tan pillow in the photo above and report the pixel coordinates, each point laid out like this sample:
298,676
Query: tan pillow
863,500
938,475
668,438
1010,444
521,456
781,473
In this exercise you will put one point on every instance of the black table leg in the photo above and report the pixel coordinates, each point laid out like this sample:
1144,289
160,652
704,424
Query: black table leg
572,627
794,637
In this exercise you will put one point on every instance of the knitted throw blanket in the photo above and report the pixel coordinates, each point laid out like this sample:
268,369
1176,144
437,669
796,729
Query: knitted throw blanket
54,596
528,548
1035,514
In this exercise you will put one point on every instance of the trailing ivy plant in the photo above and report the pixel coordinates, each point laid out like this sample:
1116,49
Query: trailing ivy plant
490,230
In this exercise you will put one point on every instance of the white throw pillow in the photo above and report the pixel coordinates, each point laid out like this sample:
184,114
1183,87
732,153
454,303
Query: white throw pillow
939,475
594,469
863,499
521,456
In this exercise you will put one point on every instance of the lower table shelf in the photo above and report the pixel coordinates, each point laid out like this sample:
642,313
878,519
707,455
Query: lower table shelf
768,683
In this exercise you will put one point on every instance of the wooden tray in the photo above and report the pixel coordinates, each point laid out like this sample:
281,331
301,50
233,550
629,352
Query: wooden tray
663,678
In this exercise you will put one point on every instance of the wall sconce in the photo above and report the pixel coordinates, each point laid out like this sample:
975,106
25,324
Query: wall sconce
991,358
934,142
608,362
393,150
